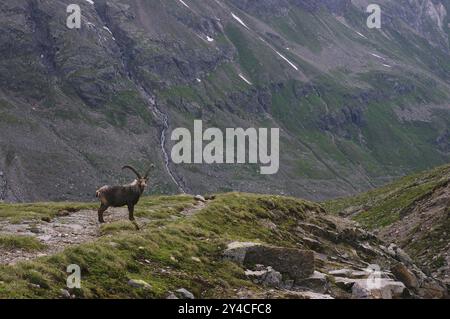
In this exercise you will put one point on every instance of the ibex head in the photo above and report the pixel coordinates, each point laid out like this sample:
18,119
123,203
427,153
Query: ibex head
141,180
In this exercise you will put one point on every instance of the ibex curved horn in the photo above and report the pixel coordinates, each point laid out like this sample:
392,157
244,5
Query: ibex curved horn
133,170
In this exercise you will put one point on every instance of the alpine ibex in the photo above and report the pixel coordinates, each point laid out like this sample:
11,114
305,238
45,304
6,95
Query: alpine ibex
119,196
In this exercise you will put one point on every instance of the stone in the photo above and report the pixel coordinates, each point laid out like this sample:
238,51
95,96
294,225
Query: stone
345,284
267,277
186,294
65,294
318,283
287,284
135,283
171,295
62,213
200,198
273,278
404,275
399,254
196,259
359,274
311,295
297,264
236,251
431,289
383,289
46,219
341,272
313,244
268,224
35,230
34,286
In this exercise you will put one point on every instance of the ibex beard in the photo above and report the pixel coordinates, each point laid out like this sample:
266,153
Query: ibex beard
125,195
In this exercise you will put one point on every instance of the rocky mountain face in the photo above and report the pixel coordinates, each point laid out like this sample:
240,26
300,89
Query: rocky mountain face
412,213
356,106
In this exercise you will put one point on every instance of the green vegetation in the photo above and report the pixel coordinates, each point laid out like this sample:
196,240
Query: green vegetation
247,58
162,253
301,28
27,243
384,206
37,211
433,243
127,103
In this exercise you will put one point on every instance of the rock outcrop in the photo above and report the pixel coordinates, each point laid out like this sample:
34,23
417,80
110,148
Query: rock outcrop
293,263
332,241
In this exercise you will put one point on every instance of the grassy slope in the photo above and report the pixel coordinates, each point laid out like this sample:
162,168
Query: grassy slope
161,254
388,209
25,243
383,206
19,212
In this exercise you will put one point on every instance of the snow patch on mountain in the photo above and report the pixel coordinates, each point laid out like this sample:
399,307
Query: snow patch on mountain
377,56
286,59
185,4
245,80
239,20
360,34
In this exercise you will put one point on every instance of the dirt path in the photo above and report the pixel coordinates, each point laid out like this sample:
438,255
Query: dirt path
64,231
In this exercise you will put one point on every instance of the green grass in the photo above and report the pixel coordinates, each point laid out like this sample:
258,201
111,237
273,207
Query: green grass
161,253
384,206
37,211
126,103
247,58
300,27
27,243
116,227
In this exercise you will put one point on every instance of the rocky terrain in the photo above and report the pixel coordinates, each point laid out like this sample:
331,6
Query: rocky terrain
356,106
229,246
412,213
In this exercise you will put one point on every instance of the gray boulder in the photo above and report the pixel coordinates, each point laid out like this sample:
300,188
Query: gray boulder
185,294
318,283
200,198
267,277
135,283
382,289
294,263
236,251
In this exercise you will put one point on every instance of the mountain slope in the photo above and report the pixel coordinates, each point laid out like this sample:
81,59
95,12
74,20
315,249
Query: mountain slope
356,107
209,249
413,212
